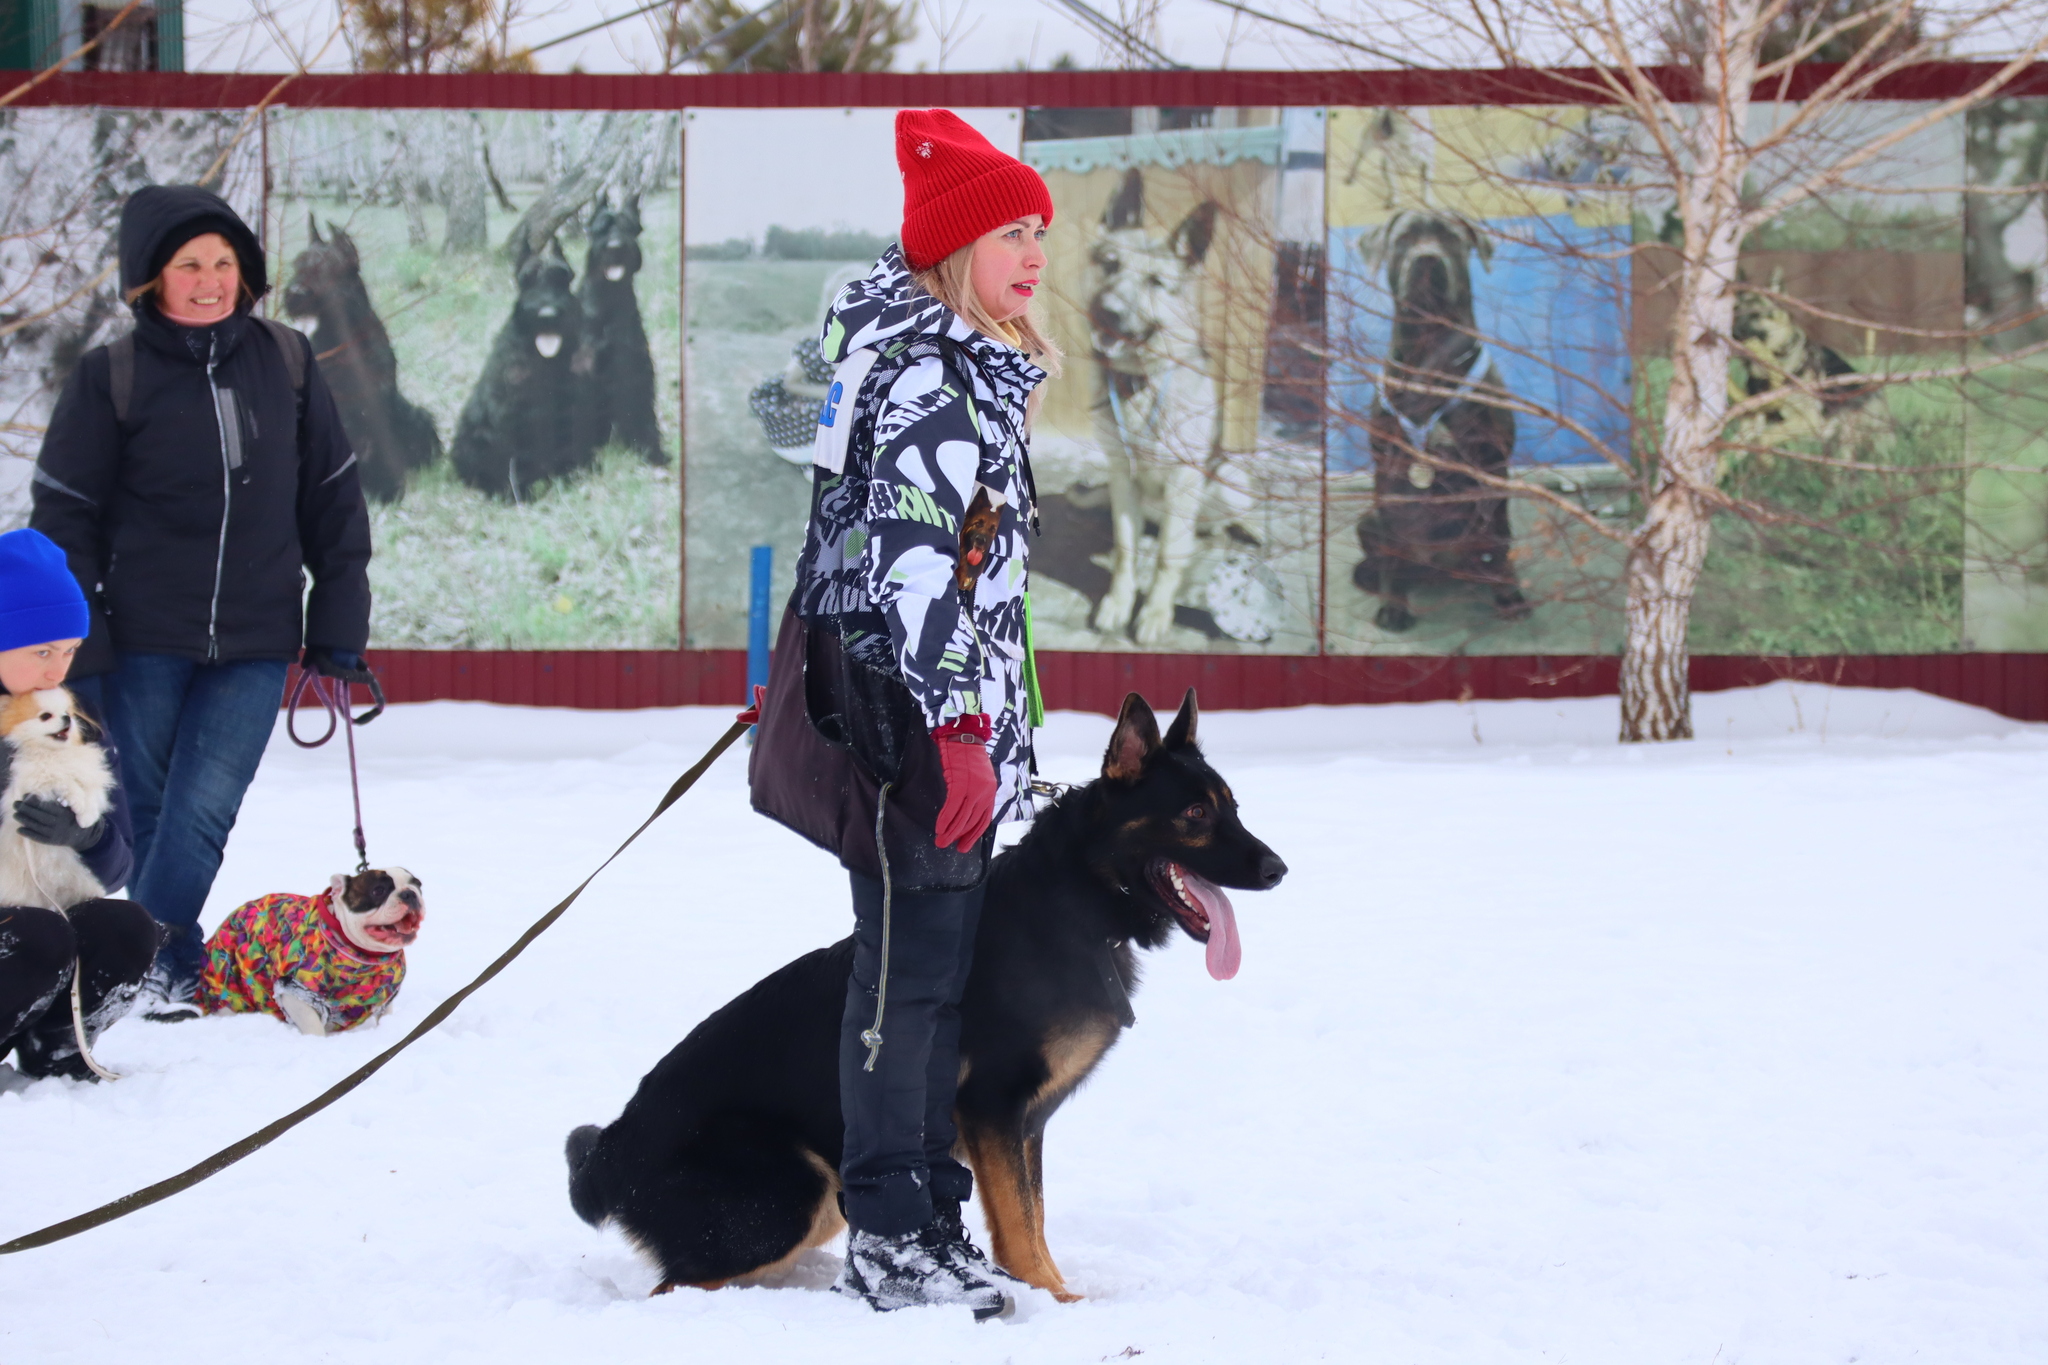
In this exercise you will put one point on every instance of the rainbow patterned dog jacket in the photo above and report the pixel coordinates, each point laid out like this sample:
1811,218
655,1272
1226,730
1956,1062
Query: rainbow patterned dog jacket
295,945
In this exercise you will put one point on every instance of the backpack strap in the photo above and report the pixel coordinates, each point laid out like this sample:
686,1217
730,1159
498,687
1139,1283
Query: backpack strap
291,343
121,374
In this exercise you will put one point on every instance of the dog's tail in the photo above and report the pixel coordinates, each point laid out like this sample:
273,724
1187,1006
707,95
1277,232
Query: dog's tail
585,1193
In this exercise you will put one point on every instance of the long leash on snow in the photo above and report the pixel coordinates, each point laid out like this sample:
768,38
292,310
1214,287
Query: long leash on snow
332,694
269,1133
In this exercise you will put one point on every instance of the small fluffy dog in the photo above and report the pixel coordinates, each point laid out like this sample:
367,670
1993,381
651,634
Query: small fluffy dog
56,755
324,963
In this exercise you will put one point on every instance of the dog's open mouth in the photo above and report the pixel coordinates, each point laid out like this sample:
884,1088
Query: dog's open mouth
548,344
1204,911
399,933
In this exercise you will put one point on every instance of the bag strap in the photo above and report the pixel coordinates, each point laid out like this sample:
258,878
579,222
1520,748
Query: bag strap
121,374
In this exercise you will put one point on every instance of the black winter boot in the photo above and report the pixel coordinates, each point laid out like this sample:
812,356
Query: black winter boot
952,1229
925,1267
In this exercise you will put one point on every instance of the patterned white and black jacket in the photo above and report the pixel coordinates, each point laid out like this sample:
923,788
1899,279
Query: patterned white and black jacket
935,409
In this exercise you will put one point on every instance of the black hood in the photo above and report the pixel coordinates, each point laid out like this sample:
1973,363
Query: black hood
158,219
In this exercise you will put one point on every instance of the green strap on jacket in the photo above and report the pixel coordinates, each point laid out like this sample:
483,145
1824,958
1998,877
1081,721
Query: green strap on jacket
1034,700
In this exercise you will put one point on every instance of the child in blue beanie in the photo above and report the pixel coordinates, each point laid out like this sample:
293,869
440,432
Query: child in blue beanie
109,943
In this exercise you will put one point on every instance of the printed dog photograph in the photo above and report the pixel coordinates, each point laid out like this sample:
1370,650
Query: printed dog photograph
1478,330
1175,464
494,298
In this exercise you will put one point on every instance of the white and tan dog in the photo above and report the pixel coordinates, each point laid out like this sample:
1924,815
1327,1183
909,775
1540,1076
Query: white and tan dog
1158,413
55,754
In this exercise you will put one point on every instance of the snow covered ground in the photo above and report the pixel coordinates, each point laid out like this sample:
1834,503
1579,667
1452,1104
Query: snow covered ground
1546,1051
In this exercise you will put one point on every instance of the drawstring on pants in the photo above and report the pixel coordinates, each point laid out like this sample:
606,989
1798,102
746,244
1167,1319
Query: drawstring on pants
873,1036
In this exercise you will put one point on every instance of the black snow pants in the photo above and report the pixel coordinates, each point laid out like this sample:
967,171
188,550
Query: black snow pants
114,941
899,1117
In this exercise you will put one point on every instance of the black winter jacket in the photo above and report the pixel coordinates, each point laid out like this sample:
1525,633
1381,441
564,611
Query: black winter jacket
193,524
186,544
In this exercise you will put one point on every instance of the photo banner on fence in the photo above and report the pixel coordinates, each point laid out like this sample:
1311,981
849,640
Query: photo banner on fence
1381,380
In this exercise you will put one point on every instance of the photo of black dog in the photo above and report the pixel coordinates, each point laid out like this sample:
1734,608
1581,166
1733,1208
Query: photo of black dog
723,1166
618,397
1435,437
391,436
519,426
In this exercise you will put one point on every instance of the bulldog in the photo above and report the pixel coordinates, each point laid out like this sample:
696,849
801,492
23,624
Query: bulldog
323,963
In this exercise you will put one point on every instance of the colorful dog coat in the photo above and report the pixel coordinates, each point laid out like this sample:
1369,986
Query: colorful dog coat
286,940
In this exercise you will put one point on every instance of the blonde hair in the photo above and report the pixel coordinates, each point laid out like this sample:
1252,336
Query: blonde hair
951,282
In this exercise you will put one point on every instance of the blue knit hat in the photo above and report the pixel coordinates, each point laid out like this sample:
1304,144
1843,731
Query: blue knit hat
39,599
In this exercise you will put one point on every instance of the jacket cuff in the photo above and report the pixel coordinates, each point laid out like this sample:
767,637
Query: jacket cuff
978,726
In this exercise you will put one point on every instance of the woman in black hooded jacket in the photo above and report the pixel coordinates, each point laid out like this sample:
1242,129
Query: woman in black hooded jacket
195,473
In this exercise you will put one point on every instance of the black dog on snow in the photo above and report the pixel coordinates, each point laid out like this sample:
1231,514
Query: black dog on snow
723,1166
618,397
391,436
520,424
1434,519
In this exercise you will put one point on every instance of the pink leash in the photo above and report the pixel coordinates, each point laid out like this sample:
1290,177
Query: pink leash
333,695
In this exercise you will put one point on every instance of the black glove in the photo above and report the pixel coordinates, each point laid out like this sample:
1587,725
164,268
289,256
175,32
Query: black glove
53,822
338,663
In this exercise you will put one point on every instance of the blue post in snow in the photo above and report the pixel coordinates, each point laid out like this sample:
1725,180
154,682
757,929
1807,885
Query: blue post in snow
757,621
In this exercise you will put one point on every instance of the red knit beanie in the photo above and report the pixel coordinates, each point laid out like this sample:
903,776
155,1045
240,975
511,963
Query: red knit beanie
956,186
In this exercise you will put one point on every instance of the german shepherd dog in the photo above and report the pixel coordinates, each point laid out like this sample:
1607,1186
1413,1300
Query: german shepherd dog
723,1167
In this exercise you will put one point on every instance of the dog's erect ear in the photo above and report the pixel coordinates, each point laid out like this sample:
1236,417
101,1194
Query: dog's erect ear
313,226
1192,239
1133,741
337,887
344,243
1181,733
1127,206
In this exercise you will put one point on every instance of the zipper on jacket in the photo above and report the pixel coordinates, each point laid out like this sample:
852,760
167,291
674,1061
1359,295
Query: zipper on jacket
227,493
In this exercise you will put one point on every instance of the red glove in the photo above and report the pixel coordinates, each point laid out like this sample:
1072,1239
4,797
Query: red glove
752,715
970,782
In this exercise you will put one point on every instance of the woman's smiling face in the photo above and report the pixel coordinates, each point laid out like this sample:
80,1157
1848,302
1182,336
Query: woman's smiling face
1006,266
200,284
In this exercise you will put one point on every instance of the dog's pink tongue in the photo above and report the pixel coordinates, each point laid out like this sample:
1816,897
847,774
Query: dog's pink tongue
1225,954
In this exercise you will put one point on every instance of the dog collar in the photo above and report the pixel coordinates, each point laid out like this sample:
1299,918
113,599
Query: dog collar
1418,434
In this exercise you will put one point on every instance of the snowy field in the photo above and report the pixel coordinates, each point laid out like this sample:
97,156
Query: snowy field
1546,1051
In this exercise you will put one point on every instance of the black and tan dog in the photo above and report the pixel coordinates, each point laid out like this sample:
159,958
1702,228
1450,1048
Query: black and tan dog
723,1166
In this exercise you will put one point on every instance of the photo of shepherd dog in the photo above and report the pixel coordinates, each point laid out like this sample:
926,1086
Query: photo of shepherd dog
723,1166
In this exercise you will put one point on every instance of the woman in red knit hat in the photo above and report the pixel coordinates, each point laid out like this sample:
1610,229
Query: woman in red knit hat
904,737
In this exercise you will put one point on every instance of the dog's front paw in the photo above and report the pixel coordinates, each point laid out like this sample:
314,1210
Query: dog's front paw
1113,613
1154,625
307,1011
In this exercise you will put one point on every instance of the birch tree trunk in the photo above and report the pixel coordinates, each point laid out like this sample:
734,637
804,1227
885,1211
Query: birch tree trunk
1670,547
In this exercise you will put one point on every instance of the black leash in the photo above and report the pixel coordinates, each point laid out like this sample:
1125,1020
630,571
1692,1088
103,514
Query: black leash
269,1133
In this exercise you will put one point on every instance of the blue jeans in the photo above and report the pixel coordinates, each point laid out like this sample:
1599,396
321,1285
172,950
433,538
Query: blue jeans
190,735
